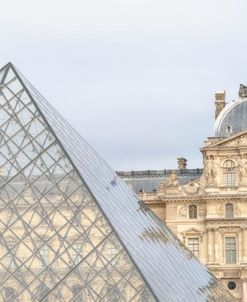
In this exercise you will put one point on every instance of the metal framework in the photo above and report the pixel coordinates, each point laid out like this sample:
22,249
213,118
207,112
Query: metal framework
70,228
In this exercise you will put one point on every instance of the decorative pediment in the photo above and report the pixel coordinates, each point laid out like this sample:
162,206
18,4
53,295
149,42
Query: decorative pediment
239,139
192,232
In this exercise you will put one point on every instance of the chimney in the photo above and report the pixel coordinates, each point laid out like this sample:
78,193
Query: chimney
219,102
242,92
182,163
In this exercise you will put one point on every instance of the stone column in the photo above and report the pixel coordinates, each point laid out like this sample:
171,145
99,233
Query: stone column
244,290
210,245
244,245
213,245
240,246
216,245
221,246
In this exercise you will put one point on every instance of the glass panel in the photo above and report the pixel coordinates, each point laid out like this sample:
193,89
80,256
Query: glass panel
230,250
229,173
77,293
193,245
66,220
10,294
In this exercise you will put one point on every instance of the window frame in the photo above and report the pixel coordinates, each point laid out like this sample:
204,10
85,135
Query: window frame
194,248
229,173
229,210
231,249
193,211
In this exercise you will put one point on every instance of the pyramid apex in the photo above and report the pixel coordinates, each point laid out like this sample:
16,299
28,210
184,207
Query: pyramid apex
6,66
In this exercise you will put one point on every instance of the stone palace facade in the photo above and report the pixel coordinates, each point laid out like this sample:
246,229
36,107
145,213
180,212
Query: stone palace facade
207,209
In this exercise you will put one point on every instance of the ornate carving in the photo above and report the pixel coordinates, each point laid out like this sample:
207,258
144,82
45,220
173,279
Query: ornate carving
211,168
219,209
192,232
232,274
243,140
243,168
191,188
237,141
202,210
170,186
182,212
231,143
237,210
172,180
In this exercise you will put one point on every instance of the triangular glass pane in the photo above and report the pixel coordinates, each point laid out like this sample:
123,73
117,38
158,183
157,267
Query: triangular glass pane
2,73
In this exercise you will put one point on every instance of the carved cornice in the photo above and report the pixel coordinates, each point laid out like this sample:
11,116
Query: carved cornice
239,139
226,219
200,198
238,226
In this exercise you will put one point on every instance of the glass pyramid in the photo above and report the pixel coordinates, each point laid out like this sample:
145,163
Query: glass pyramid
71,230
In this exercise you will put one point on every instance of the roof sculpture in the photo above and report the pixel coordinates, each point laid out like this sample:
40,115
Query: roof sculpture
71,230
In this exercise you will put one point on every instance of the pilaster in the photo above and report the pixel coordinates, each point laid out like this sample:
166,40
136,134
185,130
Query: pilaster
244,290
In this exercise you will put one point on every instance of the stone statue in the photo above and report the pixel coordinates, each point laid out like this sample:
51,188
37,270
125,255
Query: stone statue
243,167
172,180
242,92
191,188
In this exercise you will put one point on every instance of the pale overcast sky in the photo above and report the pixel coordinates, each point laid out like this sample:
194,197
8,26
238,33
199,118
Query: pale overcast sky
135,77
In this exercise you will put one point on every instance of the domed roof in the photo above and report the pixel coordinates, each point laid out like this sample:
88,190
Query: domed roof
232,119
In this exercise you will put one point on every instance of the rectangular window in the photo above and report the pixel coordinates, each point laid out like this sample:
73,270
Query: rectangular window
229,179
193,245
230,250
192,211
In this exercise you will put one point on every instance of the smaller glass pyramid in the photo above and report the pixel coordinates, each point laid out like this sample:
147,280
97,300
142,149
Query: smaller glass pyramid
71,230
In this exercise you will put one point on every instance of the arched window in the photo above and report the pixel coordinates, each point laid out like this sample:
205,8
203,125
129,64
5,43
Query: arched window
229,210
229,173
10,294
77,293
192,211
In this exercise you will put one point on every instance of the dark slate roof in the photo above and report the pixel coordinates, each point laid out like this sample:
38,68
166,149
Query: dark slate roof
232,119
149,180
